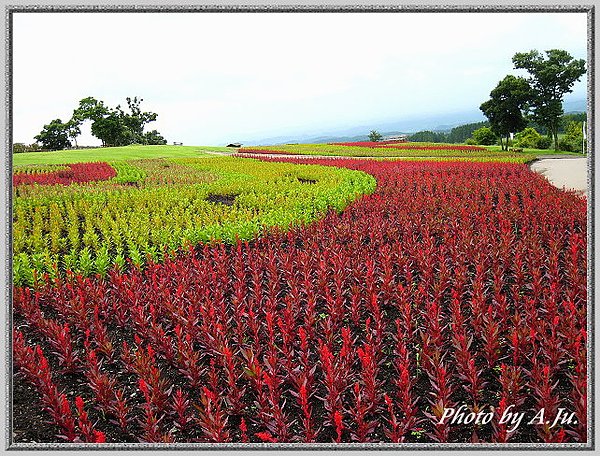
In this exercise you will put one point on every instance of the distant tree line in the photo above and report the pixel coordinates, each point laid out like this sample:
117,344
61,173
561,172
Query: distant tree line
568,125
457,135
113,126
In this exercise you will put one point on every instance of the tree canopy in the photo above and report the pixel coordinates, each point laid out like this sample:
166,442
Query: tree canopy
550,78
428,136
506,105
113,126
484,136
54,136
375,136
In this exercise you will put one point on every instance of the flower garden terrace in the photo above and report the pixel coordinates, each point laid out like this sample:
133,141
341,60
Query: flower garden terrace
452,283
426,151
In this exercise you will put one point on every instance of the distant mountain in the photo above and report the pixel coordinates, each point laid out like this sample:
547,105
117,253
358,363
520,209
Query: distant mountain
575,106
437,123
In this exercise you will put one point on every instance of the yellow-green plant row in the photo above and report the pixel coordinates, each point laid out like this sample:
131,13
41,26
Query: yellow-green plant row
439,150
37,169
151,206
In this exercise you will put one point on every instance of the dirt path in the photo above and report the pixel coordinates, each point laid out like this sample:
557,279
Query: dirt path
568,173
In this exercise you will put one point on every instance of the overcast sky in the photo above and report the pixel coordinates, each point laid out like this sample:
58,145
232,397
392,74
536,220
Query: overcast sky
214,78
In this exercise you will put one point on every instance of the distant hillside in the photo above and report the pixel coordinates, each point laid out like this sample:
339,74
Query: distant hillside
437,123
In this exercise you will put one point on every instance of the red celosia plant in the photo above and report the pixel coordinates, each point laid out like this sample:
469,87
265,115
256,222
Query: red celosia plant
77,172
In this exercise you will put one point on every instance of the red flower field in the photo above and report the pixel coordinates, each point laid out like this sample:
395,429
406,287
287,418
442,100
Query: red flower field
77,173
454,283
409,146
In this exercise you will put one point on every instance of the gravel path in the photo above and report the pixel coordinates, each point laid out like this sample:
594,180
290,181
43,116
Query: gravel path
568,173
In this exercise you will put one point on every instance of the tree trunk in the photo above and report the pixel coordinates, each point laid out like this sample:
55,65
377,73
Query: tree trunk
507,138
555,133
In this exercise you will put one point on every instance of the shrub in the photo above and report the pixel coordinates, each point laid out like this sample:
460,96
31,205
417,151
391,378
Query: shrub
544,143
21,148
484,136
529,138
532,139
573,139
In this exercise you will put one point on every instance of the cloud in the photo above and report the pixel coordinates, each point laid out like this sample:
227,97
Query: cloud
215,77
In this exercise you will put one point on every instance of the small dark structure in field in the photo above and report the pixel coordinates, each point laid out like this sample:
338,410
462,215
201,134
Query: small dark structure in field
227,200
234,145
307,181
175,143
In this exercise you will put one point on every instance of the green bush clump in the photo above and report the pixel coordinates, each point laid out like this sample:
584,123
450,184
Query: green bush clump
572,141
484,136
530,138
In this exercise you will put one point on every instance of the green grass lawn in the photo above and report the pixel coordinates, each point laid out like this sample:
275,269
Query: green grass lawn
107,154
534,152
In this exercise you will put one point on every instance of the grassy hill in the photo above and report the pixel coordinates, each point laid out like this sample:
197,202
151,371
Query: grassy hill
132,152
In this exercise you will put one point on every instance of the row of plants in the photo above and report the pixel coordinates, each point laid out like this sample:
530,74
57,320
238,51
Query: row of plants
127,173
170,172
88,228
66,175
500,157
402,150
452,284
38,169
410,145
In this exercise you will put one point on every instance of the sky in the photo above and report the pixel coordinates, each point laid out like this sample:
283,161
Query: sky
215,78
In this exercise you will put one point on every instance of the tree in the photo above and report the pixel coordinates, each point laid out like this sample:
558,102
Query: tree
73,129
573,139
375,136
461,133
54,136
550,79
89,109
136,121
154,138
566,119
505,107
116,127
112,131
484,136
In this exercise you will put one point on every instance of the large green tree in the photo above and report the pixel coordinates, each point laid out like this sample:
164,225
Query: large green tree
116,127
136,119
550,78
506,105
54,136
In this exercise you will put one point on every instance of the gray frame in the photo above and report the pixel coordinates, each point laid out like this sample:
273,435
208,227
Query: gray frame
7,219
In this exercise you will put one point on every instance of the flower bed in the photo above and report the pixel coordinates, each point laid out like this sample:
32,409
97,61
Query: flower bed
454,283
73,173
